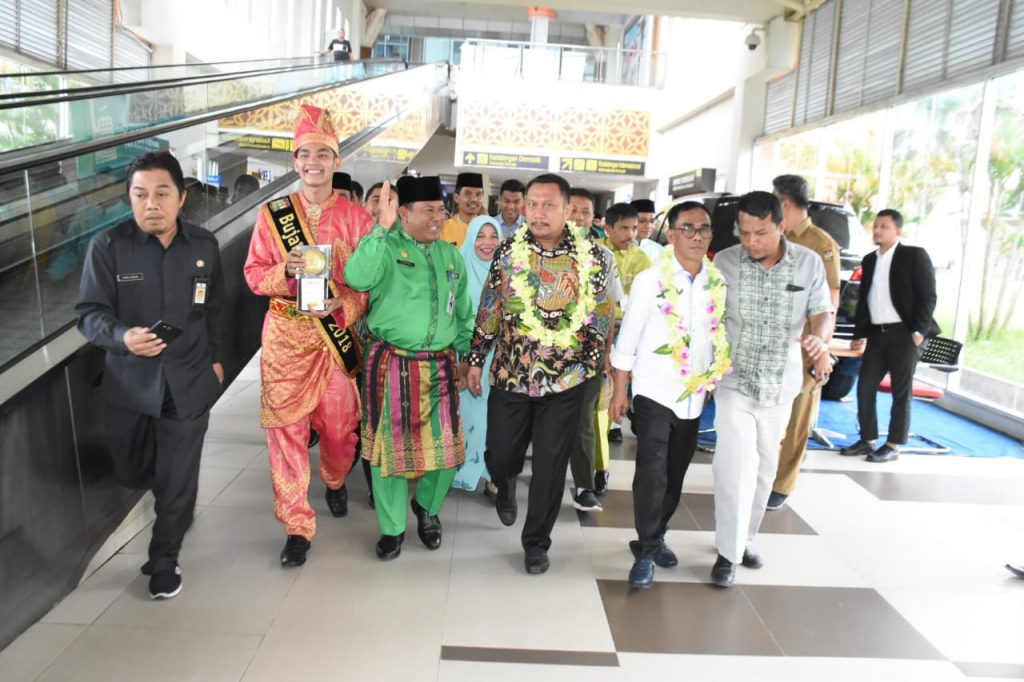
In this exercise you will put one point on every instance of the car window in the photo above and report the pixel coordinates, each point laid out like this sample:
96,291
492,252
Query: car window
724,232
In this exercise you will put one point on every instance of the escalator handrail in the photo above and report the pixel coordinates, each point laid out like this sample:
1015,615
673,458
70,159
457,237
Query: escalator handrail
24,74
21,162
7,101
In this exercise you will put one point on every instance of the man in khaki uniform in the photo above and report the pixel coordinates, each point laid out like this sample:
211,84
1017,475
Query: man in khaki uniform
792,192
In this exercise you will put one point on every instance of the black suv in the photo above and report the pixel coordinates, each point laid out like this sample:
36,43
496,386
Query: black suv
841,224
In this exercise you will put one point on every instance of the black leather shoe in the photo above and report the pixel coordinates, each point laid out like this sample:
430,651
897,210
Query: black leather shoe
641,576
665,558
886,453
294,552
427,527
601,482
537,561
337,502
389,546
751,559
314,438
506,502
615,436
146,568
858,449
1016,570
723,573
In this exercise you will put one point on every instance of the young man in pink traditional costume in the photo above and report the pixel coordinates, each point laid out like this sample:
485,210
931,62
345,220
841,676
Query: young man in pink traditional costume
310,359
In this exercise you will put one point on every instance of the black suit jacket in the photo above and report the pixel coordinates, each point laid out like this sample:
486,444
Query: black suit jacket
911,287
130,280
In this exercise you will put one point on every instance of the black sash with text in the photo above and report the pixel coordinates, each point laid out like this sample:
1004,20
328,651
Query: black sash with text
291,230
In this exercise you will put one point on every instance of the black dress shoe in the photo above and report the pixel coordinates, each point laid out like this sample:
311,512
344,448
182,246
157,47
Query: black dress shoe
664,558
641,576
1016,570
723,573
506,502
389,546
858,449
601,482
294,552
337,502
752,559
314,438
615,436
536,561
886,453
427,527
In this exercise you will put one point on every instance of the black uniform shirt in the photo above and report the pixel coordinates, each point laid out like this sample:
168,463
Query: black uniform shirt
130,280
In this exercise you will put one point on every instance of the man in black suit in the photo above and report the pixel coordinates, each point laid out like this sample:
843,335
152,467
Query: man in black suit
894,316
159,381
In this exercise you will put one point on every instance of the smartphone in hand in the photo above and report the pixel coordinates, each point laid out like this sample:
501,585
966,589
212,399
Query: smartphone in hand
166,331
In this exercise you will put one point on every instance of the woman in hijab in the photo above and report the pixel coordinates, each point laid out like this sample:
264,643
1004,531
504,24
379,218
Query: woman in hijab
481,242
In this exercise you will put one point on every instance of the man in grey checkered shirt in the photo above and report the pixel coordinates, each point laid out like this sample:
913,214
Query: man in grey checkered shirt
774,288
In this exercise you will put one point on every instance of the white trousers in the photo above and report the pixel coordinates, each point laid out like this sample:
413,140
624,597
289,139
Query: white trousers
746,458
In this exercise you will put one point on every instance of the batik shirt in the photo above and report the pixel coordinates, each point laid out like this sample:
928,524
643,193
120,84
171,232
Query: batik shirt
521,364
765,312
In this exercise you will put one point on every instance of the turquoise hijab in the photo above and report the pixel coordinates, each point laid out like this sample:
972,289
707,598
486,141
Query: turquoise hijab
476,267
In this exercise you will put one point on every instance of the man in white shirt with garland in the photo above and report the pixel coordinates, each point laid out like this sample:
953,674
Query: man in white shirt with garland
673,342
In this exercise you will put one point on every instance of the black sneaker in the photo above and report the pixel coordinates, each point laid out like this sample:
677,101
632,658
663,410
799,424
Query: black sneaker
776,501
536,561
601,482
587,501
165,584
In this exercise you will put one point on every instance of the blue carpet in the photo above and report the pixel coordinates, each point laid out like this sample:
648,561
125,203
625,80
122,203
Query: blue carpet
961,435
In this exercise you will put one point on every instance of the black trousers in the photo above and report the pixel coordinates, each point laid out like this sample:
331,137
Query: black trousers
665,447
160,454
551,423
581,456
893,352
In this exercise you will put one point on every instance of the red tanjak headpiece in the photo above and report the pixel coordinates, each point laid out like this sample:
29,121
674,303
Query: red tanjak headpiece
314,125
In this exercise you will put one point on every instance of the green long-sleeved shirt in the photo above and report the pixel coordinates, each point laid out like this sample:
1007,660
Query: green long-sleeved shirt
418,294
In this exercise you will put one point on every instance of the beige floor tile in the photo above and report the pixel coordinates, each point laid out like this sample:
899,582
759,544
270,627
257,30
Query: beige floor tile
230,455
102,654
97,592
967,626
30,654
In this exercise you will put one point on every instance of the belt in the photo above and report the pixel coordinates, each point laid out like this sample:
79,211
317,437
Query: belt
889,327
286,309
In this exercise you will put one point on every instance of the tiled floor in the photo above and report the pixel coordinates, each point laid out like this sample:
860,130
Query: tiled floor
872,573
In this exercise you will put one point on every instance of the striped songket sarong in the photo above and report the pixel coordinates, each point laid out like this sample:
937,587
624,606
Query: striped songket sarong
411,419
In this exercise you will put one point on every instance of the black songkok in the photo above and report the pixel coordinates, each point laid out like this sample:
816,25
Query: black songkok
412,189
469,180
643,205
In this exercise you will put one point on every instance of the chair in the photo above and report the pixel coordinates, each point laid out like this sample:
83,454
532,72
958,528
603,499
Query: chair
943,355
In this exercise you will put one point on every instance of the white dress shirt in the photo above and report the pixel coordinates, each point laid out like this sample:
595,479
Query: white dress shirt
645,329
652,248
879,299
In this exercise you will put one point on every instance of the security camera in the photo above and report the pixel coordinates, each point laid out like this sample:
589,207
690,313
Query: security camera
752,41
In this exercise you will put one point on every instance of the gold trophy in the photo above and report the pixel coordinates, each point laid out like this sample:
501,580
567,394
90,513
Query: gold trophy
313,282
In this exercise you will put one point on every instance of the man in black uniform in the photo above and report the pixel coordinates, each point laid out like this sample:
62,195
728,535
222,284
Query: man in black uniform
158,387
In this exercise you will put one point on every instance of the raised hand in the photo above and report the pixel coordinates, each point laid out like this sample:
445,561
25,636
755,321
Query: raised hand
388,207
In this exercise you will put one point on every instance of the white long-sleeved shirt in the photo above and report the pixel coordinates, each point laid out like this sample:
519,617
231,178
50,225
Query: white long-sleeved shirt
645,328
880,305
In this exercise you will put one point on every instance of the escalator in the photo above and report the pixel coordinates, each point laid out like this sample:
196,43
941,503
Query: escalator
58,501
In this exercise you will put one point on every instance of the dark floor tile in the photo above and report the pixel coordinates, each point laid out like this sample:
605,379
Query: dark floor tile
836,622
895,487
1009,671
684,618
696,512
533,656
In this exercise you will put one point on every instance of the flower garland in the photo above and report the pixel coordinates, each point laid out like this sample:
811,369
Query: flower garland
678,346
523,299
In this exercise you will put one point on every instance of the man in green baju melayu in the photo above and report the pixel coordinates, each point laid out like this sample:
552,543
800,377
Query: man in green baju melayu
421,315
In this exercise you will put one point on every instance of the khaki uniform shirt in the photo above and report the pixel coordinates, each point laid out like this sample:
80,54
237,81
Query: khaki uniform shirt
820,242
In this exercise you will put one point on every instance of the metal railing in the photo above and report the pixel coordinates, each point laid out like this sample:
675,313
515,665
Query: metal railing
575,63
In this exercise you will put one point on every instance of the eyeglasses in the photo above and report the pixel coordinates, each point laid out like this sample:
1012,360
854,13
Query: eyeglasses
693,232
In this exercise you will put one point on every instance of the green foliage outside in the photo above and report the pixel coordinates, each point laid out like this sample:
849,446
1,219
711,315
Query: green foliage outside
27,126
